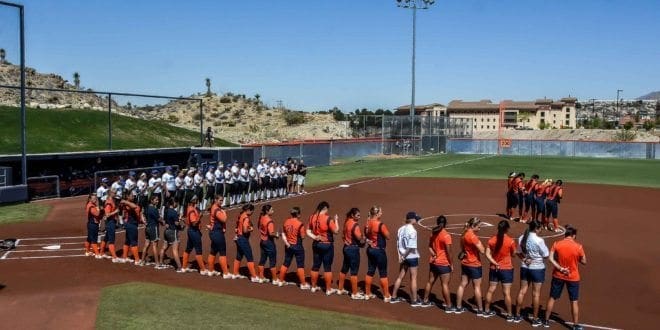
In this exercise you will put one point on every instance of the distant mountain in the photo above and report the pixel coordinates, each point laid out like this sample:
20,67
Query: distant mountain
650,96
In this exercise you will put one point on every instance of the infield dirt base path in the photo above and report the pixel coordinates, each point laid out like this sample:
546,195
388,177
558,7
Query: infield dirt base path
618,288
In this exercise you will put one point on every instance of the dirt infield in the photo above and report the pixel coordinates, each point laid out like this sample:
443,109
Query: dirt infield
615,225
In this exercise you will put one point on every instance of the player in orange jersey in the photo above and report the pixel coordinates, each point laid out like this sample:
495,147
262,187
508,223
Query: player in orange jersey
134,216
193,221
243,249
500,248
552,200
439,263
353,240
293,232
94,216
267,235
321,229
377,236
528,198
565,256
110,215
217,227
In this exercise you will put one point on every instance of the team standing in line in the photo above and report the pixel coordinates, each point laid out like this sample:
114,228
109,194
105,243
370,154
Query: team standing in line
373,234
533,199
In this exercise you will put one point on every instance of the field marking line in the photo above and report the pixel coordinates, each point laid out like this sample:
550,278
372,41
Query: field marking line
51,243
16,243
4,256
44,250
592,326
60,237
46,257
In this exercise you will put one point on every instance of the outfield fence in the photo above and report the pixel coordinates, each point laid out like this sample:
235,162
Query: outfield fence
598,149
43,187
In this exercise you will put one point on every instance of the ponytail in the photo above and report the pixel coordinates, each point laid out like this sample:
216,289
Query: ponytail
352,212
265,209
471,223
502,228
295,212
440,224
374,211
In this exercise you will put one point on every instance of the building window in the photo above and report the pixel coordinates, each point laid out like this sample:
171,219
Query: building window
568,123
482,119
554,115
488,120
542,121
568,116
527,121
482,126
554,121
487,127
475,126
542,114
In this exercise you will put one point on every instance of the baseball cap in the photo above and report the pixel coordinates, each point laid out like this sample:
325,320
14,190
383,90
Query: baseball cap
169,168
191,169
131,173
105,180
154,172
413,215
513,174
211,167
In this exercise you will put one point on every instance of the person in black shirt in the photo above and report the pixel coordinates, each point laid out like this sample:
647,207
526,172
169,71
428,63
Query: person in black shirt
173,225
302,172
151,231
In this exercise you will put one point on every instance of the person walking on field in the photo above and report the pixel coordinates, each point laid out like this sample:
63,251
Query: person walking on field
217,227
440,263
406,242
565,256
532,250
243,249
500,248
173,224
353,240
293,232
151,232
472,249
110,214
134,216
377,236
322,229
267,235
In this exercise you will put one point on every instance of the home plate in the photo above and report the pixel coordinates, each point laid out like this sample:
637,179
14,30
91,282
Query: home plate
344,186
51,247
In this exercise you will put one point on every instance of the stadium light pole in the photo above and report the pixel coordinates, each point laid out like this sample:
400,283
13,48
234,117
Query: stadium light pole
21,11
414,5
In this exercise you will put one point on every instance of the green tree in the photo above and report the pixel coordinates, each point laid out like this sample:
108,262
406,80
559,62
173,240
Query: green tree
628,125
76,80
648,125
208,86
257,97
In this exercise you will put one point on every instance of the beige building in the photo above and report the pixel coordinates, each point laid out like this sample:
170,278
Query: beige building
434,109
485,115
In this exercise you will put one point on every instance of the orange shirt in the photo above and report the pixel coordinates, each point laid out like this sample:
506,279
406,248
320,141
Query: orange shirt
266,228
555,191
352,233
539,189
321,225
568,253
93,212
218,218
294,230
376,232
503,256
132,214
440,242
110,207
529,187
472,257
243,225
192,215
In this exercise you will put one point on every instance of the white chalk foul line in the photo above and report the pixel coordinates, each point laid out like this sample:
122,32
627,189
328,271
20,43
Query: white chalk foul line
584,325
44,250
46,257
4,256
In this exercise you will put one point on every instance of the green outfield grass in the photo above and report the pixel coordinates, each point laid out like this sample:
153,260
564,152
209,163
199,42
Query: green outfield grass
23,212
146,305
627,172
50,130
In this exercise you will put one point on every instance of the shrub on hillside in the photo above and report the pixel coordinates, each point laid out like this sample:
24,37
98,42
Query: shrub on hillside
196,116
294,118
225,99
215,115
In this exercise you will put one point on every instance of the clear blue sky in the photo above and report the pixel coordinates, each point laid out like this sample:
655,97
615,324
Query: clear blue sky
317,54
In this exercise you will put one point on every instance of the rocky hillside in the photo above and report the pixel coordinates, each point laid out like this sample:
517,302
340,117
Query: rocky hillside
235,118
650,96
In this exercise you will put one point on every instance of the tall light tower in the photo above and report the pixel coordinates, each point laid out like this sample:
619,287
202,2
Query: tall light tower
617,100
414,5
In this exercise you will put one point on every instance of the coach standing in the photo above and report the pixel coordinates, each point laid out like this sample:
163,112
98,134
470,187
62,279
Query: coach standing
565,255
406,243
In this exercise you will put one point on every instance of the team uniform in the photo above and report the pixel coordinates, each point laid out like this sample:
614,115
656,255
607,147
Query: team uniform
568,253
189,188
267,245
533,271
253,185
155,188
243,248
217,228
529,206
552,200
294,231
376,233
504,273
539,201
515,186
94,217
102,194
323,250
352,237
194,240
169,181
133,216
110,229
439,242
471,264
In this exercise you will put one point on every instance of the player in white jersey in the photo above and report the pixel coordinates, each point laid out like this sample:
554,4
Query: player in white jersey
244,179
168,179
118,188
189,187
198,181
141,191
219,180
274,177
236,184
155,187
253,187
262,169
210,187
180,187
229,180
102,191
129,185
284,177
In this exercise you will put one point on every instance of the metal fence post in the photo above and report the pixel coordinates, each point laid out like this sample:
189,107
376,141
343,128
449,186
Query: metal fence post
382,134
109,121
201,124
330,152
300,151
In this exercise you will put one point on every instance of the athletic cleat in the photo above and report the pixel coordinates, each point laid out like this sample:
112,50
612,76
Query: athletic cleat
396,300
105,256
450,309
227,277
509,318
516,319
358,296
98,256
387,299
546,323
238,276
314,289
487,314
204,272
460,310
416,303
305,286
88,254
537,323
116,260
138,263
577,327
427,304
369,296
264,280
479,313
255,280
191,270
182,270
330,292
342,292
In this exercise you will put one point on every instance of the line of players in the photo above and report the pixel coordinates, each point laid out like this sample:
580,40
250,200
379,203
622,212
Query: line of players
533,198
236,182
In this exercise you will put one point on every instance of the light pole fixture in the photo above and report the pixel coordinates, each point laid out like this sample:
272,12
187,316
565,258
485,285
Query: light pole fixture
617,100
414,5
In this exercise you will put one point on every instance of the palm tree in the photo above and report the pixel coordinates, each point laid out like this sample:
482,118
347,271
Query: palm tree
257,96
208,86
76,79
2,55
